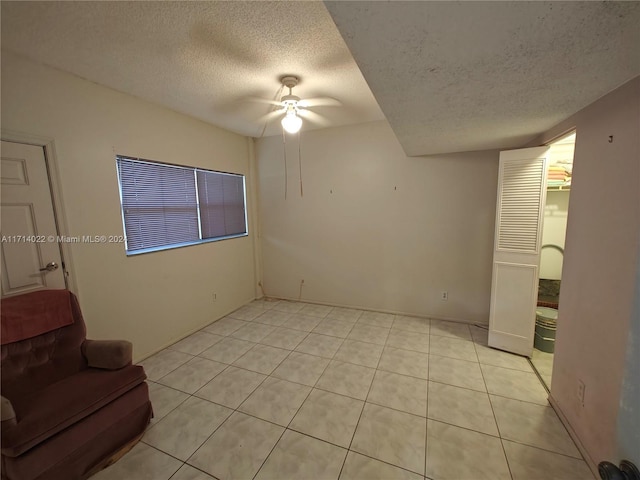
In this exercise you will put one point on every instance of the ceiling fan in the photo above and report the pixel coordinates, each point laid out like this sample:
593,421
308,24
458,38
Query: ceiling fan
293,109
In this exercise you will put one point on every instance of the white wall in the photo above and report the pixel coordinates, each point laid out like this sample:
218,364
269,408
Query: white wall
152,299
599,276
554,230
377,229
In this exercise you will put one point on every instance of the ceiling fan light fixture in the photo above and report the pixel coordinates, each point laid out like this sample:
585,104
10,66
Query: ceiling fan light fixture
291,122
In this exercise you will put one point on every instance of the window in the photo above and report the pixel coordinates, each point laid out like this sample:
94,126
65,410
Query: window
168,206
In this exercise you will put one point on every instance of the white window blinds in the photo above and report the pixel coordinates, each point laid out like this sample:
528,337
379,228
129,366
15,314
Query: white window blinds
222,210
166,206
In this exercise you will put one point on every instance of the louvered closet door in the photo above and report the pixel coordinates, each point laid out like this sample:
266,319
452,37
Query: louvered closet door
516,256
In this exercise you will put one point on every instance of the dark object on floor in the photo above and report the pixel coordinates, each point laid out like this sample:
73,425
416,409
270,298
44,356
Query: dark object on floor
627,471
68,404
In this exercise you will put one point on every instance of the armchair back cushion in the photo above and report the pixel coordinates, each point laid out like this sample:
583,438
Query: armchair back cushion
31,364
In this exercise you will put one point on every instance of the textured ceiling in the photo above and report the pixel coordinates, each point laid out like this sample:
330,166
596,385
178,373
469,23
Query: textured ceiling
482,75
200,58
449,76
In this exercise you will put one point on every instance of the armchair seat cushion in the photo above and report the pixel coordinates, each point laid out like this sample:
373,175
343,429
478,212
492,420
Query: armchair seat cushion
48,411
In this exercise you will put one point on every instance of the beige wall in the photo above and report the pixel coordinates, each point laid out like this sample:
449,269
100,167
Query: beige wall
598,279
152,299
377,229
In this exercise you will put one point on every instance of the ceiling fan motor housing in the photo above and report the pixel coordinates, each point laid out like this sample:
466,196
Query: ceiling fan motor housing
289,81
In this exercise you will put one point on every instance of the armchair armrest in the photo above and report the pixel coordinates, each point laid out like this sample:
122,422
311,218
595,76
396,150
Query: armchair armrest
107,354
7,414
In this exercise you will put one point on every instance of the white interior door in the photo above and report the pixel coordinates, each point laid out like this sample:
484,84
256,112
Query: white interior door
522,187
31,258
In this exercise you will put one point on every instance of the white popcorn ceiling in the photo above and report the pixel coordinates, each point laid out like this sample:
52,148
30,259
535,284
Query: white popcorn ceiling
449,76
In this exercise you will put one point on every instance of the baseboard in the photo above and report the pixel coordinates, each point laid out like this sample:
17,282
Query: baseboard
393,312
593,466
190,332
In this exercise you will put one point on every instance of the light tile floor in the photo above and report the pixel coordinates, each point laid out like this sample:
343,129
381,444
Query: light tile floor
286,390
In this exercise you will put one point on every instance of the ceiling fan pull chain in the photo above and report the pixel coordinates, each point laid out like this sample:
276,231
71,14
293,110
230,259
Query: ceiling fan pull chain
286,176
300,161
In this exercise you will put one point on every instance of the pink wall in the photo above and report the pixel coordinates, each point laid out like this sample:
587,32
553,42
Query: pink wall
598,279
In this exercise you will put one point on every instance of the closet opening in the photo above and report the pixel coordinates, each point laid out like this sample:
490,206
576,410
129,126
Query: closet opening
554,226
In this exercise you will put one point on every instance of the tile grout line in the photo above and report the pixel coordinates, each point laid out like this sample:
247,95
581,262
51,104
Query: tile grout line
495,419
293,417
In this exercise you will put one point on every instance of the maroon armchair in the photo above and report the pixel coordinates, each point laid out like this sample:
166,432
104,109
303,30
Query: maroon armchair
69,404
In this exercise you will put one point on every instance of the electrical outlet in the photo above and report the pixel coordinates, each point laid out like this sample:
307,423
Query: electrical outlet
580,392
444,296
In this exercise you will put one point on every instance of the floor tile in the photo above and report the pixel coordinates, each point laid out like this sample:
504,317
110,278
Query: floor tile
359,467
238,448
253,332
286,338
231,387
453,348
543,364
360,353
498,358
166,361
225,326
276,400
141,463
391,436
182,431
514,384
401,392
273,317
345,314
227,350
262,359
288,306
459,373
335,328
297,457
164,399
196,343
306,323
187,472
461,407
347,379
193,375
301,368
533,425
265,303
328,416
316,310
369,334
320,345
450,329
455,453
247,313
407,340
527,463
376,319
412,324
405,362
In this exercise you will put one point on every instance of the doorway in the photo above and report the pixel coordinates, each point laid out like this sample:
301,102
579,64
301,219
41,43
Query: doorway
31,254
554,226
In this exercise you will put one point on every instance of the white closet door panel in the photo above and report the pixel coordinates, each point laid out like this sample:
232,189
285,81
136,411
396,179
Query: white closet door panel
516,256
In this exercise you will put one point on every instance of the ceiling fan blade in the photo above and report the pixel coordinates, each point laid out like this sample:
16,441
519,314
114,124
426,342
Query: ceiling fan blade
313,117
263,100
270,116
320,102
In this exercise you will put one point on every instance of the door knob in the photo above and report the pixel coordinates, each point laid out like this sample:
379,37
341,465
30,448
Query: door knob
51,266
